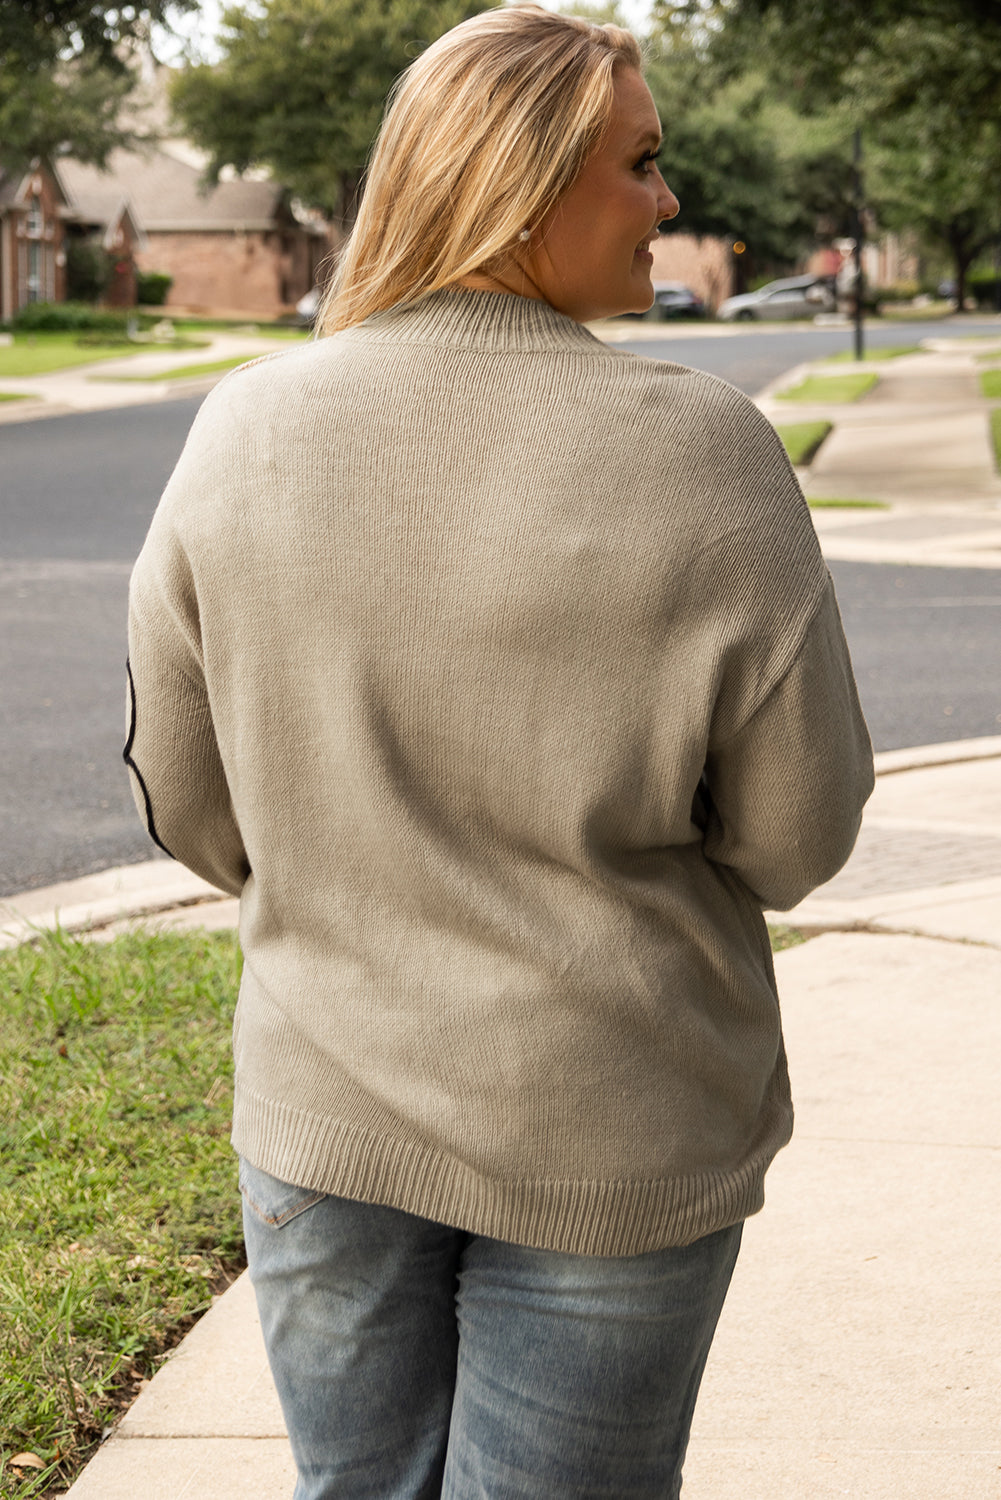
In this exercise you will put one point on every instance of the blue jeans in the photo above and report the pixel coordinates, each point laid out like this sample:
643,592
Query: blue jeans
415,1361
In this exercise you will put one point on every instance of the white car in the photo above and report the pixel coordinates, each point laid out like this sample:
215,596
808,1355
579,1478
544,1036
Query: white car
307,307
795,297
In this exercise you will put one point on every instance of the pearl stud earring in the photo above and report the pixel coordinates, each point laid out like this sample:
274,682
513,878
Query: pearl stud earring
525,236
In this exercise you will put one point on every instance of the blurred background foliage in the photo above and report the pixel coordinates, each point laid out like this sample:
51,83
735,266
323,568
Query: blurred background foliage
760,101
922,85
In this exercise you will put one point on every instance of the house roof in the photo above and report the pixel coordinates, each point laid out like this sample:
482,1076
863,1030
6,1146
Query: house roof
15,186
168,193
9,188
96,198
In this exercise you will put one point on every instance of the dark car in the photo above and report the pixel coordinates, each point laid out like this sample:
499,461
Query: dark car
672,299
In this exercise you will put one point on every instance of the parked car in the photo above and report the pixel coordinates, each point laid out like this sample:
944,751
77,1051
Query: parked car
672,299
794,297
308,306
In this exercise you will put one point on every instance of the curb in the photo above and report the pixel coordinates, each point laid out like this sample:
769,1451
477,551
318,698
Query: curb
34,408
96,903
948,753
31,408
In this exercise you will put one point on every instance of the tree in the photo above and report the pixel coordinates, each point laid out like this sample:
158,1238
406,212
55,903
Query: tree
926,92
819,46
302,86
744,164
71,108
937,172
64,74
32,32
923,85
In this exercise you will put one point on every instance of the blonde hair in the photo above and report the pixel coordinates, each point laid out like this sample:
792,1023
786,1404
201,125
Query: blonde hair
483,134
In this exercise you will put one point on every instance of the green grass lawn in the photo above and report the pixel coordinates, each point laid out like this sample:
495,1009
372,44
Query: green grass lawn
819,502
119,1209
186,372
990,384
996,436
893,352
259,330
831,388
14,396
892,312
41,353
801,440
785,937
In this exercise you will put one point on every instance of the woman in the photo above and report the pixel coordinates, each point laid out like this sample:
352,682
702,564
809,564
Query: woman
500,674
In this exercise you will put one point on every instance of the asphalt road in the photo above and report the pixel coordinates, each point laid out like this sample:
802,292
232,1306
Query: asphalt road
925,645
751,356
76,497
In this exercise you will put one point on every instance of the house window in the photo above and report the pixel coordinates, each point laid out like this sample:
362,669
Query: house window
36,221
34,282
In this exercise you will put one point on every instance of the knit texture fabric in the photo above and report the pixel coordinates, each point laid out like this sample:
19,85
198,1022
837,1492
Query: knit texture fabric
501,675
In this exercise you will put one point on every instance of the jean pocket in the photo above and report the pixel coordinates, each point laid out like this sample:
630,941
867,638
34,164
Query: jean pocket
274,1202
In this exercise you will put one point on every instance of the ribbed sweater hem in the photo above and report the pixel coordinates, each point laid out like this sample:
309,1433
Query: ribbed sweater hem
581,1217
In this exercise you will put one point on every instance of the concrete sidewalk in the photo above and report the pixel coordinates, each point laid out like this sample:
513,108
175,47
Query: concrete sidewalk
110,383
919,445
926,406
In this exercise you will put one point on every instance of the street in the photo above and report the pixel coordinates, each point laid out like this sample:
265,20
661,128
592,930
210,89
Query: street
925,645
77,495
752,355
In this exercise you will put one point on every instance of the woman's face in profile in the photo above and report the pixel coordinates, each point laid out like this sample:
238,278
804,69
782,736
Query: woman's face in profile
591,257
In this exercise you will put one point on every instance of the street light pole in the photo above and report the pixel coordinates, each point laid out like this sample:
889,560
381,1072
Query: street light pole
859,285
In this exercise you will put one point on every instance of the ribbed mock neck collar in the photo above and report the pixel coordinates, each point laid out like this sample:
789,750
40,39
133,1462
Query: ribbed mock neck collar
478,320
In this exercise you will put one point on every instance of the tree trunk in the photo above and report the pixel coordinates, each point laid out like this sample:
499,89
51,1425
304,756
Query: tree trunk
347,209
962,266
965,245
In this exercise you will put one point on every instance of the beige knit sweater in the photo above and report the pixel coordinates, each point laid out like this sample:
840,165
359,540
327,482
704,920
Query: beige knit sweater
438,625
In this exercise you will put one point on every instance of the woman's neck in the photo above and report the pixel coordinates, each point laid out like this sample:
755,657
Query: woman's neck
513,280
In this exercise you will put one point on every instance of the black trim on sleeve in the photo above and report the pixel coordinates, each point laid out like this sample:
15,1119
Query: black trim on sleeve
703,806
127,757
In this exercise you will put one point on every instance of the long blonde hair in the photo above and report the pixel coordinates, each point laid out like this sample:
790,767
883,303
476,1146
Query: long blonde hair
482,136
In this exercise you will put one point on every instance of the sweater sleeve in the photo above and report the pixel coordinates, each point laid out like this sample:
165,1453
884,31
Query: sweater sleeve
178,779
788,787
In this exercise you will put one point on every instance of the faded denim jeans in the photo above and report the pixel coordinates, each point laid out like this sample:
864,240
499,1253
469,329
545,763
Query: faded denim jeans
414,1361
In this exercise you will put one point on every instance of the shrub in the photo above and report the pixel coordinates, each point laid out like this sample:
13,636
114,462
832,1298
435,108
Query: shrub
88,270
152,287
985,286
899,291
68,317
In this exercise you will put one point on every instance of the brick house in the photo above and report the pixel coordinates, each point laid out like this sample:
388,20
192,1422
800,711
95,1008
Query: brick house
32,235
702,262
100,212
237,247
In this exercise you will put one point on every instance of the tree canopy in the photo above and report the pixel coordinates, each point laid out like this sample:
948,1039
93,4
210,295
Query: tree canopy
820,45
33,32
302,85
65,72
744,164
923,84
